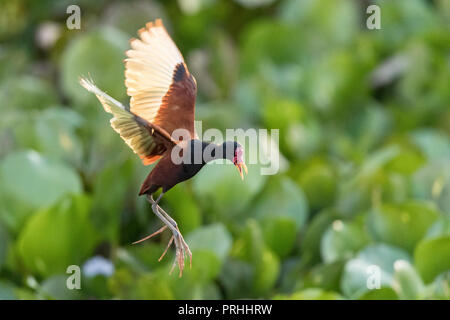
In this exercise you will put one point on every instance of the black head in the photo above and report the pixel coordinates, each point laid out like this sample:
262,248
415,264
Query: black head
234,152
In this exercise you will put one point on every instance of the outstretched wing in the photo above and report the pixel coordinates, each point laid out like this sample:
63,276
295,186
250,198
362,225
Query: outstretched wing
148,141
161,88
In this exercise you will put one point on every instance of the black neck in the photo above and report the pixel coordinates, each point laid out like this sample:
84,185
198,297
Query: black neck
201,152
212,151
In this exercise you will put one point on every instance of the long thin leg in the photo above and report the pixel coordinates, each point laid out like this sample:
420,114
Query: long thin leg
179,252
181,246
156,232
186,247
152,201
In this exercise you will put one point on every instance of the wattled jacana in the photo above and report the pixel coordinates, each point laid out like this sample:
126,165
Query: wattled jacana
162,100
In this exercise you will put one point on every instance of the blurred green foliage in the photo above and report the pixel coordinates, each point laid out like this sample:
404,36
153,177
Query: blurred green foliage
364,123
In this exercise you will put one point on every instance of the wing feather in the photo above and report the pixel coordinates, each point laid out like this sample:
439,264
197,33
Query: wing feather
162,94
157,94
147,141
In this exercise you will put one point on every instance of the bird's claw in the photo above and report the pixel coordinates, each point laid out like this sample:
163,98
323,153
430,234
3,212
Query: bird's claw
182,249
187,251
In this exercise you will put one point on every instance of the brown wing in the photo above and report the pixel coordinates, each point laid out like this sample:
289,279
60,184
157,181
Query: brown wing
161,88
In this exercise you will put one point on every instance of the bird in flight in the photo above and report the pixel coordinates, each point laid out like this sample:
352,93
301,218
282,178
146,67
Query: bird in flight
159,123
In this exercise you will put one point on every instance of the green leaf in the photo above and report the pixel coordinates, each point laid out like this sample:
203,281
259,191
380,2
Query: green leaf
110,189
249,246
310,294
407,162
221,190
32,180
37,180
288,116
282,198
325,276
380,294
132,16
211,291
280,114
342,240
372,183
377,161
404,224
153,286
55,288
214,238
369,126
55,133
440,228
27,93
5,241
310,244
434,144
268,40
254,3
403,21
432,182
98,53
183,208
407,282
266,273
7,291
440,288
57,237
374,265
319,181
305,138
122,284
236,278
432,257
279,234
144,257
206,266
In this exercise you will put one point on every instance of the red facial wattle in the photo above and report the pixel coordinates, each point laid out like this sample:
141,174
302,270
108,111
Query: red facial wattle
238,161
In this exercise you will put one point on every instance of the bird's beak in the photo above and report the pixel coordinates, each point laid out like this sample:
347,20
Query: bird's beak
239,166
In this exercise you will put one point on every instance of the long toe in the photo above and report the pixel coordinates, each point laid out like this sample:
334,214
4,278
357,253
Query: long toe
167,248
186,250
179,254
152,235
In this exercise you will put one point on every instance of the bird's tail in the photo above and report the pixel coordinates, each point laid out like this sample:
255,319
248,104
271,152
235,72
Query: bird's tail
104,98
